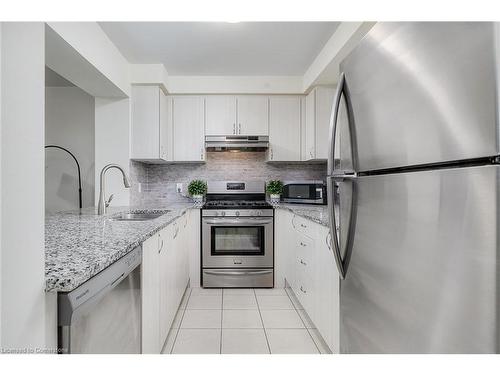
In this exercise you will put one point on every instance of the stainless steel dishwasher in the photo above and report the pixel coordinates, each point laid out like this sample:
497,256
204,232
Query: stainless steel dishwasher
103,315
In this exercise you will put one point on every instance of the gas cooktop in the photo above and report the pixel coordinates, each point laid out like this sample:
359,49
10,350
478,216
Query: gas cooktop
236,195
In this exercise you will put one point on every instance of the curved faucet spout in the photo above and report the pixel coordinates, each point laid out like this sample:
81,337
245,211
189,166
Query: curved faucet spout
101,207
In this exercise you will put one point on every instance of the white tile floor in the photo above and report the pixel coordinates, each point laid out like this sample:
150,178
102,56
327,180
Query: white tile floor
242,321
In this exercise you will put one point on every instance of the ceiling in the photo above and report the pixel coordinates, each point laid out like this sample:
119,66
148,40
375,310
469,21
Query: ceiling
222,48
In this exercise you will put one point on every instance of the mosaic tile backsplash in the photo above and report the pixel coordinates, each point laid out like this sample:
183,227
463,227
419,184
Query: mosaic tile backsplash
154,185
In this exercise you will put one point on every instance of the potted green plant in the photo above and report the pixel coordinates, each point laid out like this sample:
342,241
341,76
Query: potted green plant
274,188
197,189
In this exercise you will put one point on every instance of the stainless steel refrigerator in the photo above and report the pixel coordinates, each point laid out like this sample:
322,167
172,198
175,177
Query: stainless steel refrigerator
413,184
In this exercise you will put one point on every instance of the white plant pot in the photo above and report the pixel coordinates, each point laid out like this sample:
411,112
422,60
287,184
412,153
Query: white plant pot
274,198
198,199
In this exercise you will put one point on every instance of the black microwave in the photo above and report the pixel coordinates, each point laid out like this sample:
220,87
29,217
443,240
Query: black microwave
305,192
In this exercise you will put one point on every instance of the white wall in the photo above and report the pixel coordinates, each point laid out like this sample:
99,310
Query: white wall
91,42
112,145
235,85
69,122
22,195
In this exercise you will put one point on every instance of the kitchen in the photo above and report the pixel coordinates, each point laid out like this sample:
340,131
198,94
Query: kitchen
228,197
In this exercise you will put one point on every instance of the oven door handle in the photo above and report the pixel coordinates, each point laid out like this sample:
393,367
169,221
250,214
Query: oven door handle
241,221
238,273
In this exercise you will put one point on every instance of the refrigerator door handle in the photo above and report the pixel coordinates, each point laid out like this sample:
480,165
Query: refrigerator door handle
333,225
333,124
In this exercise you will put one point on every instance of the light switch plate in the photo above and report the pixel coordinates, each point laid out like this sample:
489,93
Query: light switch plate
179,188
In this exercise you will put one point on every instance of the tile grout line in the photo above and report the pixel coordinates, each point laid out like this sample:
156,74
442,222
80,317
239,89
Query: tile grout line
262,321
303,322
180,323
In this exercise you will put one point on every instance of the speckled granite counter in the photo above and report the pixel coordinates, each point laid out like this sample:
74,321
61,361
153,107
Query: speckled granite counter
316,213
80,245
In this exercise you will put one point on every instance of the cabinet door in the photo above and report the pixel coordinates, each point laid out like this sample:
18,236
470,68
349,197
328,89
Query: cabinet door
324,104
253,115
194,256
150,288
303,146
309,133
284,128
220,115
284,240
166,145
145,142
188,118
179,268
304,287
167,311
327,286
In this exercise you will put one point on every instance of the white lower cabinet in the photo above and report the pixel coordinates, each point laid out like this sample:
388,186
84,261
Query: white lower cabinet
150,288
165,276
305,261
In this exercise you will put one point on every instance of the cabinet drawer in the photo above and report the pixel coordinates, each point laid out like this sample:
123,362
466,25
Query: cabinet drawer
302,225
304,252
303,289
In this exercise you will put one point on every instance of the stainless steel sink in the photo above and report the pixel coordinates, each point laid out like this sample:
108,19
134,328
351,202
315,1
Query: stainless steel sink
136,216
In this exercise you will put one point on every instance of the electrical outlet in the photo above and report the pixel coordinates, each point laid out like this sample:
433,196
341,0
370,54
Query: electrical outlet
179,188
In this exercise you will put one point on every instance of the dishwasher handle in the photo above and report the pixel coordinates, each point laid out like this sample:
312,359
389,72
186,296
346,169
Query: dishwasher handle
82,299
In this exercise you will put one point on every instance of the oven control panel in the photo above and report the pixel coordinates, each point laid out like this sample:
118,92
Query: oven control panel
268,212
235,186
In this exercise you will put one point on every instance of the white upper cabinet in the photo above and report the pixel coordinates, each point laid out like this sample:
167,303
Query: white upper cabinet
150,116
317,126
188,121
220,115
284,128
166,130
253,115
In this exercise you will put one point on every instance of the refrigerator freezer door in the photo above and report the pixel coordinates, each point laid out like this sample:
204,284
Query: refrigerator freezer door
423,270
423,93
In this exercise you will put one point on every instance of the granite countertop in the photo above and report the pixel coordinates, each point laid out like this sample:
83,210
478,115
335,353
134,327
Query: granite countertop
79,245
316,213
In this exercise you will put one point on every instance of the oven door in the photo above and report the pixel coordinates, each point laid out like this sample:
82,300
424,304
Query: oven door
237,242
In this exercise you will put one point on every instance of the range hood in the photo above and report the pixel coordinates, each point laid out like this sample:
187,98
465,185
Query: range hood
237,142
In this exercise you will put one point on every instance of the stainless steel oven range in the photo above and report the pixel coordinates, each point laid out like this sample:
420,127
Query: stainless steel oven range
237,236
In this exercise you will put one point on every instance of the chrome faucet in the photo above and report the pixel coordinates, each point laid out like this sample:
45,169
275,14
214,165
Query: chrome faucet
103,204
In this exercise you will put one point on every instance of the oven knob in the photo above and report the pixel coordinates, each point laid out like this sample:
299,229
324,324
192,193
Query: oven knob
216,213
237,213
223,213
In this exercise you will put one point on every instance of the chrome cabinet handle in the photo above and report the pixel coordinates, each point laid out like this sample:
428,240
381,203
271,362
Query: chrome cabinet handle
328,241
201,156
302,244
239,126
234,128
303,263
302,290
303,225
161,247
